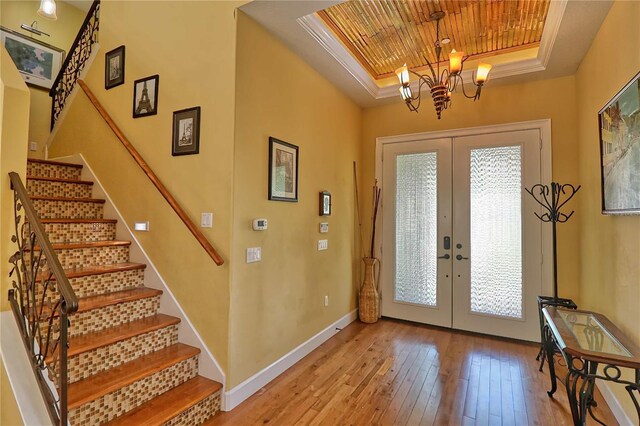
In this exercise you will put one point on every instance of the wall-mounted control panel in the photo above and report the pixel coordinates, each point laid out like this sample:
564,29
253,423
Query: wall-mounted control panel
141,226
260,224
206,220
324,227
254,254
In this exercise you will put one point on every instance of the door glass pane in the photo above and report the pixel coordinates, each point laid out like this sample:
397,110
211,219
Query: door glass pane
416,228
496,231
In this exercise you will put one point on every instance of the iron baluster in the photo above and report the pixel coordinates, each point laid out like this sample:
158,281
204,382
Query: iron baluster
41,299
75,61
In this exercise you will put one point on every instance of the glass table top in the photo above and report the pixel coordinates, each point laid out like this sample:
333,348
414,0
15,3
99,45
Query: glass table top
591,334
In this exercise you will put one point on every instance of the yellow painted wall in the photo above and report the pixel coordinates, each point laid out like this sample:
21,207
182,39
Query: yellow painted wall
278,303
196,67
62,33
14,131
554,99
610,245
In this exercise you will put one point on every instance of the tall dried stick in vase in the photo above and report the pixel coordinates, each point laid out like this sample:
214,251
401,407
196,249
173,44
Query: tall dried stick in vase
369,301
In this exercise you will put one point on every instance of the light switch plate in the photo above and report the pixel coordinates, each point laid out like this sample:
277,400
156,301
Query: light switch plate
206,220
254,254
33,146
323,244
324,227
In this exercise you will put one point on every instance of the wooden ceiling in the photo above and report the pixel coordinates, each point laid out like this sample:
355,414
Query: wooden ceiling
384,34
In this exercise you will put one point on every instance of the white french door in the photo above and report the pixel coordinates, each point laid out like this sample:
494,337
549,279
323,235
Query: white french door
461,246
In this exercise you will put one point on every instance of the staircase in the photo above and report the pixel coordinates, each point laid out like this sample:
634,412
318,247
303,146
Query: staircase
125,364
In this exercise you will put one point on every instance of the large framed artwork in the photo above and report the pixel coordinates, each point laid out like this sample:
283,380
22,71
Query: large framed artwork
37,62
283,171
620,151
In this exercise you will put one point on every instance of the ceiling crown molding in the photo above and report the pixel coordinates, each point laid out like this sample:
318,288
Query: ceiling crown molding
318,30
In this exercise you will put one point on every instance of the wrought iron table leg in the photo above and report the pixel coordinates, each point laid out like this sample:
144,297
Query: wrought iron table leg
549,350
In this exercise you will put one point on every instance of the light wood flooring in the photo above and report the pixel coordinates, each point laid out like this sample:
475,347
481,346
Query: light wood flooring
401,373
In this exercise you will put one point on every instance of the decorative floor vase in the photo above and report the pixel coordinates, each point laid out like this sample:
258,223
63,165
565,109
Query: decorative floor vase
369,303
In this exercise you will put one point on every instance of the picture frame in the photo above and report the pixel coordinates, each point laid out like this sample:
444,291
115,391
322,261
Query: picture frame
186,132
619,130
324,204
38,63
145,96
114,67
283,171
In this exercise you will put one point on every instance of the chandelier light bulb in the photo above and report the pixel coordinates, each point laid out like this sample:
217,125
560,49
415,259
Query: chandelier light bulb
482,73
455,61
403,74
48,9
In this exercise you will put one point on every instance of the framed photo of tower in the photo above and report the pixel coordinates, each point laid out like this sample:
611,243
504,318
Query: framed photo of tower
114,68
145,96
186,131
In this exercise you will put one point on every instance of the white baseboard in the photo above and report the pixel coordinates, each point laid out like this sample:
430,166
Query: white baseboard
244,390
613,403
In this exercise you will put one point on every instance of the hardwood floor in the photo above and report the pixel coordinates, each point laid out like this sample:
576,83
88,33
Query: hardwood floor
395,372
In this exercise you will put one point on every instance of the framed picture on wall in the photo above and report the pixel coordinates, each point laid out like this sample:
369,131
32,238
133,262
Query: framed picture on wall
114,68
620,151
325,203
38,63
145,96
283,171
186,132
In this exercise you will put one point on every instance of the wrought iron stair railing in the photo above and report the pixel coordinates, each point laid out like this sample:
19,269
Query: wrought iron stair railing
41,299
75,61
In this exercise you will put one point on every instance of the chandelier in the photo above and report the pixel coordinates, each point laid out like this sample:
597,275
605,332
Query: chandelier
441,85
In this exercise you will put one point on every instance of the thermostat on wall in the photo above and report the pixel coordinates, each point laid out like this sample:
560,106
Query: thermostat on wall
259,224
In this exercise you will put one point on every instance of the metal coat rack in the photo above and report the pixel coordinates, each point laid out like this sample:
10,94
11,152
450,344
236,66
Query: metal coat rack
553,198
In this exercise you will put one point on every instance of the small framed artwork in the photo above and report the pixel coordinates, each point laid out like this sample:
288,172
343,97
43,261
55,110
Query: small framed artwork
145,96
114,68
620,151
325,203
186,132
38,63
283,171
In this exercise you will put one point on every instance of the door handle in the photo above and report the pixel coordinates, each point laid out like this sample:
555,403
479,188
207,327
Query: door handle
460,257
446,256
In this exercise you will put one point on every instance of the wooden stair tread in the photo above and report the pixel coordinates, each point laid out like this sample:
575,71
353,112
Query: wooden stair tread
107,299
96,270
87,390
86,244
53,179
90,341
78,200
67,220
163,408
102,300
53,163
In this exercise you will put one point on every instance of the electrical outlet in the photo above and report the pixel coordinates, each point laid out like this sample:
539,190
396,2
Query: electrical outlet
323,244
254,254
326,301
206,220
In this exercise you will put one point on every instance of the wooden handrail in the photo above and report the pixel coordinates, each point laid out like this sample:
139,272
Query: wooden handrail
152,176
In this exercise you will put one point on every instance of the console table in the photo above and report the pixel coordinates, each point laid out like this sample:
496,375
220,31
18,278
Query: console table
586,341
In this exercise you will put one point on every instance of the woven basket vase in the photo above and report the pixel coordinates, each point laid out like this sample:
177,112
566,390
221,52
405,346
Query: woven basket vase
369,303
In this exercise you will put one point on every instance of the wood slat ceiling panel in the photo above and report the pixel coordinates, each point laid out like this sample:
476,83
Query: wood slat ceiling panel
384,34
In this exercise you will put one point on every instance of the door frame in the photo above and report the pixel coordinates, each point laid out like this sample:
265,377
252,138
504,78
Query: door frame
544,127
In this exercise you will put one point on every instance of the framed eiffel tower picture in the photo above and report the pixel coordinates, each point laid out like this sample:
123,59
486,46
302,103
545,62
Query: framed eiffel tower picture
145,96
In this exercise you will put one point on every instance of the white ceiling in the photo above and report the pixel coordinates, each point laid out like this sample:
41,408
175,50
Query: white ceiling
580,23
83,5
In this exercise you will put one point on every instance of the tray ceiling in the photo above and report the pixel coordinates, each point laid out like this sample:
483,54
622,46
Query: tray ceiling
384,34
